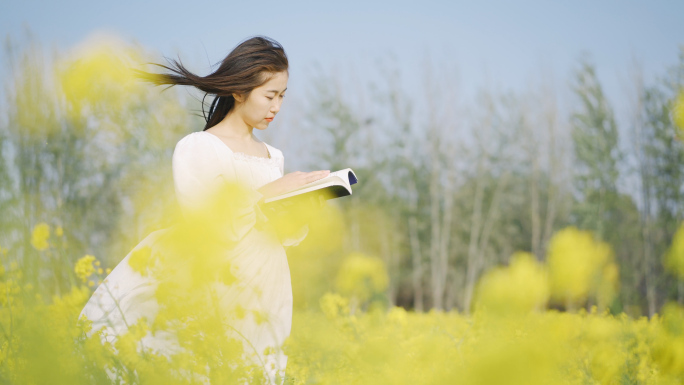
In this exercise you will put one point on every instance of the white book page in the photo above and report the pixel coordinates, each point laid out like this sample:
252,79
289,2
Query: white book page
340,178
343,176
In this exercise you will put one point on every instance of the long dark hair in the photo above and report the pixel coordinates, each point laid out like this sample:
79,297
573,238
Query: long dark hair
246,67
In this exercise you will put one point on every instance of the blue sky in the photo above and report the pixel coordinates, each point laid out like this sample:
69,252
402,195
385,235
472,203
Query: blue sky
503,43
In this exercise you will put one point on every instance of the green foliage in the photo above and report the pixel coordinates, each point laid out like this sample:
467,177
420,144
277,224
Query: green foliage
595,138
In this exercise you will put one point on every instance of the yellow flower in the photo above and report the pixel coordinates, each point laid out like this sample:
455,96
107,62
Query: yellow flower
99,74
334,305
240,312
362,276
140,259
579,267
84,267
59,231
269,350
39,238
397,315
521,287
679,114
259,317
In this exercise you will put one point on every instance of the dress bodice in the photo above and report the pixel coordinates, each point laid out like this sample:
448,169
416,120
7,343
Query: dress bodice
253,171
202,163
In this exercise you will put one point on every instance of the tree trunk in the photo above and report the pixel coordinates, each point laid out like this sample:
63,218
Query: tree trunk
416,255
435,230
471,268
534,207
443,258
486,231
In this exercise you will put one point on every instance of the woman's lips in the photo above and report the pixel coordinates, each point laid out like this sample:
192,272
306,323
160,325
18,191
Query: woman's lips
269,119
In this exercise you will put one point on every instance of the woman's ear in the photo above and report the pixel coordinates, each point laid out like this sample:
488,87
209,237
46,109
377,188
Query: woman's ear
239,98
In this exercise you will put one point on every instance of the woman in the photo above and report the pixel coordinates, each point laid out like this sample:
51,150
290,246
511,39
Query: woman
227,262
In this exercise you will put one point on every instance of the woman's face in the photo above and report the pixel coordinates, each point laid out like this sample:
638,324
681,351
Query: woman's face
264,102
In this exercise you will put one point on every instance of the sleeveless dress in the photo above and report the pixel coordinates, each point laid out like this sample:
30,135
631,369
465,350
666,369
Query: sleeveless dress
202,163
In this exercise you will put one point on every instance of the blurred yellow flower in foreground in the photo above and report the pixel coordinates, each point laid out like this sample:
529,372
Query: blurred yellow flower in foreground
334,305
140,259
674,259
580,267
521,287
668,345
59,231
361,276
84,267
100,74
40,235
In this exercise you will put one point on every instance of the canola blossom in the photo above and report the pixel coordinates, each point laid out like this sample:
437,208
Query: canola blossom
678,114
40,236
581,267
85,267
511,337
361,277
521,287
100,78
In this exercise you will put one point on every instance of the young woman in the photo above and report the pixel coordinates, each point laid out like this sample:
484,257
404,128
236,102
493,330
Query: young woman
248,89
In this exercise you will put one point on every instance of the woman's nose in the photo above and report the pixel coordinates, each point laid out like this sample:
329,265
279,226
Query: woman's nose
276,107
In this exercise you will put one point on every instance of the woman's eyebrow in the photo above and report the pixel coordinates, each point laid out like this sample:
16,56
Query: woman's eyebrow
276,91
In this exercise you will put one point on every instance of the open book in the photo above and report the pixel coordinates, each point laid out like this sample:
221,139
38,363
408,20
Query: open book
336,184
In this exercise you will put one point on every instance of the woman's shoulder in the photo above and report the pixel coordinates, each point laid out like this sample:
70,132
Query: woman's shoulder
198,141
195,146
194,138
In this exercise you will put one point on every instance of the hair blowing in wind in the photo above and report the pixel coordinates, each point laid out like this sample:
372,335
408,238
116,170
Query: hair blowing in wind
246,67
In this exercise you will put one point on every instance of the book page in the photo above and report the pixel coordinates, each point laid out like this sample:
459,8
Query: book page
343,175
314,183
332,185
340,178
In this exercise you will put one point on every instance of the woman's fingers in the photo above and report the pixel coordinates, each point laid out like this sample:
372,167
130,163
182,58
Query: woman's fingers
316,175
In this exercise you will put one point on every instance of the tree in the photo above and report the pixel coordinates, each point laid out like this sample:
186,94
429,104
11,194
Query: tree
595,138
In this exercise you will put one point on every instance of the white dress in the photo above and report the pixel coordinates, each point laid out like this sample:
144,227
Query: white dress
202,163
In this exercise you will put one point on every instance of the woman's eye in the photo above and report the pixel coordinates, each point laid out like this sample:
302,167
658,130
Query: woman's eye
269,98
282,96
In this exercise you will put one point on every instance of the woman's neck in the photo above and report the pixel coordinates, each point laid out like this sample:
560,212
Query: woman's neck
233,126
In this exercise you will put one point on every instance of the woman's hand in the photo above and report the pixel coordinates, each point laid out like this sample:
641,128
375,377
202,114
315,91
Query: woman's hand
291,181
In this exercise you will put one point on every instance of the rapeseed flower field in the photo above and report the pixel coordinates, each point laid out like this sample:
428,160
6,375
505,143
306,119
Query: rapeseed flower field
511,337
536,319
